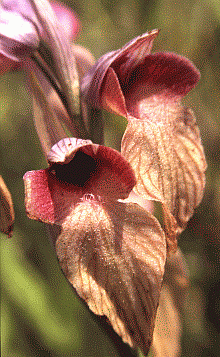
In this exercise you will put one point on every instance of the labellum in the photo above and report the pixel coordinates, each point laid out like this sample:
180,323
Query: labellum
113,253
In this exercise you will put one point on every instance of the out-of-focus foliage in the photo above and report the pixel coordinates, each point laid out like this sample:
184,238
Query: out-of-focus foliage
40,315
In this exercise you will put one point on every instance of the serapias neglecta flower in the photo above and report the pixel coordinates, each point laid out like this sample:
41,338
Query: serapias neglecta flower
162,141
112,252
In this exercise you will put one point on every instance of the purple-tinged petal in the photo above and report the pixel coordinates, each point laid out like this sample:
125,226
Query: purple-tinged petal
23,7
54,53
113,253
38,199
77,168
101,170
154,88
7,64
127,58
67,18
19,36
17,42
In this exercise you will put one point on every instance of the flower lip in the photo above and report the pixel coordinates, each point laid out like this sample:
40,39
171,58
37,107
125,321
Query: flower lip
78,171
128,56
95,168
64,151
160,70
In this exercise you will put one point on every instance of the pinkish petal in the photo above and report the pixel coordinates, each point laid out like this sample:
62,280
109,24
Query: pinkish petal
38,199
168,159
127,58
7,64
18,35
78,168
156,85
168,326
16,41
112,98
114,255
67,18
106,172
23,7
22,26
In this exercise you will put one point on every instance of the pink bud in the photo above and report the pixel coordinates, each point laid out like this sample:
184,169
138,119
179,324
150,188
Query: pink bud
67,18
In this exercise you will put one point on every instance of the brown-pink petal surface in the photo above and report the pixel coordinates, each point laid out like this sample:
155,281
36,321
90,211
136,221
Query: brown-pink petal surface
50,193
129,56
168,326
162,140
112,252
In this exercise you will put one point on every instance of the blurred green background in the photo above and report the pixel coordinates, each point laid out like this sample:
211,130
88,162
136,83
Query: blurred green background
40,315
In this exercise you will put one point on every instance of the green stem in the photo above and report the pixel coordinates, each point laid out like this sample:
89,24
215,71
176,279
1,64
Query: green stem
96,125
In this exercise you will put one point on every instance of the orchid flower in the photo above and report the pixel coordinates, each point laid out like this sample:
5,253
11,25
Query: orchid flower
112,252
162,141
16,46
32,34
19,35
